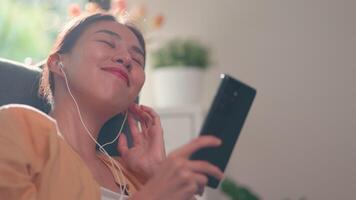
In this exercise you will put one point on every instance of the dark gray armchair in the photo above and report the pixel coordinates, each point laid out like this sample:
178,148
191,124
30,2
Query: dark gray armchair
19,84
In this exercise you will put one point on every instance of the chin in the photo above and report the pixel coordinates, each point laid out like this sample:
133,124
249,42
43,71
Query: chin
116,105
114,101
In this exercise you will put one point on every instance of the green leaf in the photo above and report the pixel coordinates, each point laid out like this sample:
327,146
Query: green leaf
236,192
181,52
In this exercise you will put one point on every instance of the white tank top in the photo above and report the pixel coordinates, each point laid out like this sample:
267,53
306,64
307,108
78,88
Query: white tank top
107,194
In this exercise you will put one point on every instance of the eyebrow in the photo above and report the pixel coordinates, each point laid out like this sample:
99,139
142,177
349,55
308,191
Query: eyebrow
111,33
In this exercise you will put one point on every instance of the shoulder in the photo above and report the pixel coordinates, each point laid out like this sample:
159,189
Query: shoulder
28,138
24,123
19,112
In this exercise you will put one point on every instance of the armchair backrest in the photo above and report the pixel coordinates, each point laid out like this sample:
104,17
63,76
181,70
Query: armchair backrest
19,84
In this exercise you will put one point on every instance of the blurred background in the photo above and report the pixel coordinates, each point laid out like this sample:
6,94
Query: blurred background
300,55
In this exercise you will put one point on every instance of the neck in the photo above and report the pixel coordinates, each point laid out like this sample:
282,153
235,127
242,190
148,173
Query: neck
71,126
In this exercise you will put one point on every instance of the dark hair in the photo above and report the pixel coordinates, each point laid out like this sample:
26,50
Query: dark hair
67,39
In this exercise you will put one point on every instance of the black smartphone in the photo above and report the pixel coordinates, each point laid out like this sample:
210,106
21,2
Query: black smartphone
224,120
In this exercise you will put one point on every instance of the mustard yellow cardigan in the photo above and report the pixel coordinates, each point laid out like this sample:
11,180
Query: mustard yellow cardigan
37,164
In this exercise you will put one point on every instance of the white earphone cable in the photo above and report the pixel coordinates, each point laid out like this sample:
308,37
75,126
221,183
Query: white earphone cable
101,147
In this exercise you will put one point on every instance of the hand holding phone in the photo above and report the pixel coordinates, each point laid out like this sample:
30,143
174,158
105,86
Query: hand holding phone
225,120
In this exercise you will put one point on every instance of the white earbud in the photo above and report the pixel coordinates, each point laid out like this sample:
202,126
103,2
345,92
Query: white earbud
61,65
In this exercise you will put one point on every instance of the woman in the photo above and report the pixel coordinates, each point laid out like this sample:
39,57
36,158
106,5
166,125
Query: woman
95,71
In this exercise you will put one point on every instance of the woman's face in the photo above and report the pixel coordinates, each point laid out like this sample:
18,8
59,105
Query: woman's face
106,66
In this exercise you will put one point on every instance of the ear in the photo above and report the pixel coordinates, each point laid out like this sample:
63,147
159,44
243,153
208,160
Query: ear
53,64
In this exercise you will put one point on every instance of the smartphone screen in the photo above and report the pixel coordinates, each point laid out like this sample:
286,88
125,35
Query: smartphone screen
224,120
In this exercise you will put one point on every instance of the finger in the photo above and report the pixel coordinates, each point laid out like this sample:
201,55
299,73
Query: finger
142,115
196,184
136,136
201,191
134,112
207,168
156,127
143,120
201,180
147,119
137,111
153,114
122,146
198,143
157,132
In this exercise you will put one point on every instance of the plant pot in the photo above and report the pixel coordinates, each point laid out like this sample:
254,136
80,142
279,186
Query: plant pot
177,86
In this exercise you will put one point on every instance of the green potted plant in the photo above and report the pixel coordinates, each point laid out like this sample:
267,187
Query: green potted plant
237,192
179,67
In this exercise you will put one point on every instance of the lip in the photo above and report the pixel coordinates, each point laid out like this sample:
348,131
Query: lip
119,73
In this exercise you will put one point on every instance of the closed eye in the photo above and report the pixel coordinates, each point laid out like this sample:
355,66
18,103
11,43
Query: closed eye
112,45
138,62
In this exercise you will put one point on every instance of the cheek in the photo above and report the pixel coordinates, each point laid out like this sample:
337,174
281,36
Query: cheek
90,59
95,54
138,80
84,69
141,79
89,56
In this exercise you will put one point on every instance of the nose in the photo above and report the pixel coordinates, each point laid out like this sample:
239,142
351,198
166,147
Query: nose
123,57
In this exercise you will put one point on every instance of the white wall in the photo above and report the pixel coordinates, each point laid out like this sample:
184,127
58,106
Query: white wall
300,54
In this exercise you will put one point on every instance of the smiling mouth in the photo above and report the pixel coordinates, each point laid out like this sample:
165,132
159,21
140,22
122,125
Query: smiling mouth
118,73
